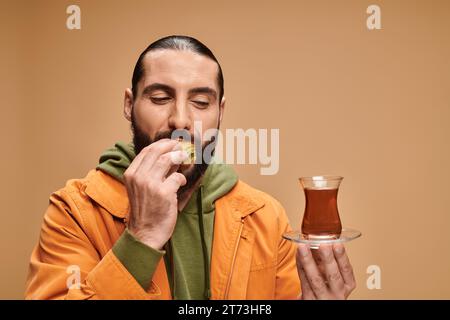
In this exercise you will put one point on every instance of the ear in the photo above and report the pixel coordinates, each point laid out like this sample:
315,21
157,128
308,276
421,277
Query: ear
221,109
128,104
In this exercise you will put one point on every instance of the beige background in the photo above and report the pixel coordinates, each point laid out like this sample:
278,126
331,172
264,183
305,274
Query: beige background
372,106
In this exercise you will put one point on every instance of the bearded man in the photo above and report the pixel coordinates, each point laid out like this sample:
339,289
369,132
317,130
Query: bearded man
148,223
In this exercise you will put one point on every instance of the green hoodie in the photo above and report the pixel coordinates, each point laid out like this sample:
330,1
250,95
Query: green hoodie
187,255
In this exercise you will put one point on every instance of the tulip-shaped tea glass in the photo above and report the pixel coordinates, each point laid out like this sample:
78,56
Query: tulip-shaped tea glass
321,220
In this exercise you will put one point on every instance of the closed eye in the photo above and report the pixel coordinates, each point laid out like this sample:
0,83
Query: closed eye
160,100
201,103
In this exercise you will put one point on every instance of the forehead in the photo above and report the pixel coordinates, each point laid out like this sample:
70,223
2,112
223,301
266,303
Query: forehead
179,69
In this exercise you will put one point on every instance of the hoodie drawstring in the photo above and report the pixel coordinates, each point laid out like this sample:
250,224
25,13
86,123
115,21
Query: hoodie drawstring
207,291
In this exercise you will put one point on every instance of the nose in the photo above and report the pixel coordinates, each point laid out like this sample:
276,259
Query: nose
180,116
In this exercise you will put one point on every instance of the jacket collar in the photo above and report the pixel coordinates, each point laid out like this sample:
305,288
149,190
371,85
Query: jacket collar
108,193
112,196
243,200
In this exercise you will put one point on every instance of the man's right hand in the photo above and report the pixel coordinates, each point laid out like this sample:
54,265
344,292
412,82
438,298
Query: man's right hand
152,183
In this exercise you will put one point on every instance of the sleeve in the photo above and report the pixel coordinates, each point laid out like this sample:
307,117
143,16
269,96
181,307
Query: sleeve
139,259
65,264
287,280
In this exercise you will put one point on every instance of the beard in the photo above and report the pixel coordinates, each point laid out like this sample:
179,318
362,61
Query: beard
193,173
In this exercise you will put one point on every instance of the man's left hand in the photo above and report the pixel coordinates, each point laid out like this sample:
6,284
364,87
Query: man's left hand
325,273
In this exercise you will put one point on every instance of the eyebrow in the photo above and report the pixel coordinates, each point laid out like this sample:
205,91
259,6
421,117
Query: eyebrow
205,90
170,90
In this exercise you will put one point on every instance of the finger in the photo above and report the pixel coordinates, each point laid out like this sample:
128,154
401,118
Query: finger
331,269
174,182
318,258
344,265
175,167
134,165
172,170
307,292
312,272
147,157
166,162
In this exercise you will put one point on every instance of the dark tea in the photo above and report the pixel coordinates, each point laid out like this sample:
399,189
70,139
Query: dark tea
321,216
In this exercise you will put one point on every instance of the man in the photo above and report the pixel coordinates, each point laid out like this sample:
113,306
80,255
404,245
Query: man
145,225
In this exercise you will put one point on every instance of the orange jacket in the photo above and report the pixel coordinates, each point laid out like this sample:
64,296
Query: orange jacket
250,259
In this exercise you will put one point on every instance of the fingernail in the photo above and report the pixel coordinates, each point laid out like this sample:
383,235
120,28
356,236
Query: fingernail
178,157
303,250
339,248
185,154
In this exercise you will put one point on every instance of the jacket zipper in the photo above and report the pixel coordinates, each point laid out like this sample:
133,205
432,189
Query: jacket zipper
234,258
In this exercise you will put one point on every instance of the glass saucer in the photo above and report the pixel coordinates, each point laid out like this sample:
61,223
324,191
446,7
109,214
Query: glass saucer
315,241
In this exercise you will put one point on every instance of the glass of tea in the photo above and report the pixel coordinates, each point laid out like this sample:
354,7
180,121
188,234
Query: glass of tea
321,217
321,221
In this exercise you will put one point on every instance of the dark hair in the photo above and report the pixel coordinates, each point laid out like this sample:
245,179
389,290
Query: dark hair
176,42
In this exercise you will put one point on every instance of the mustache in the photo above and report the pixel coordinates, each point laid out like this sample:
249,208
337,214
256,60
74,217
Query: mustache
163,135
175,133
